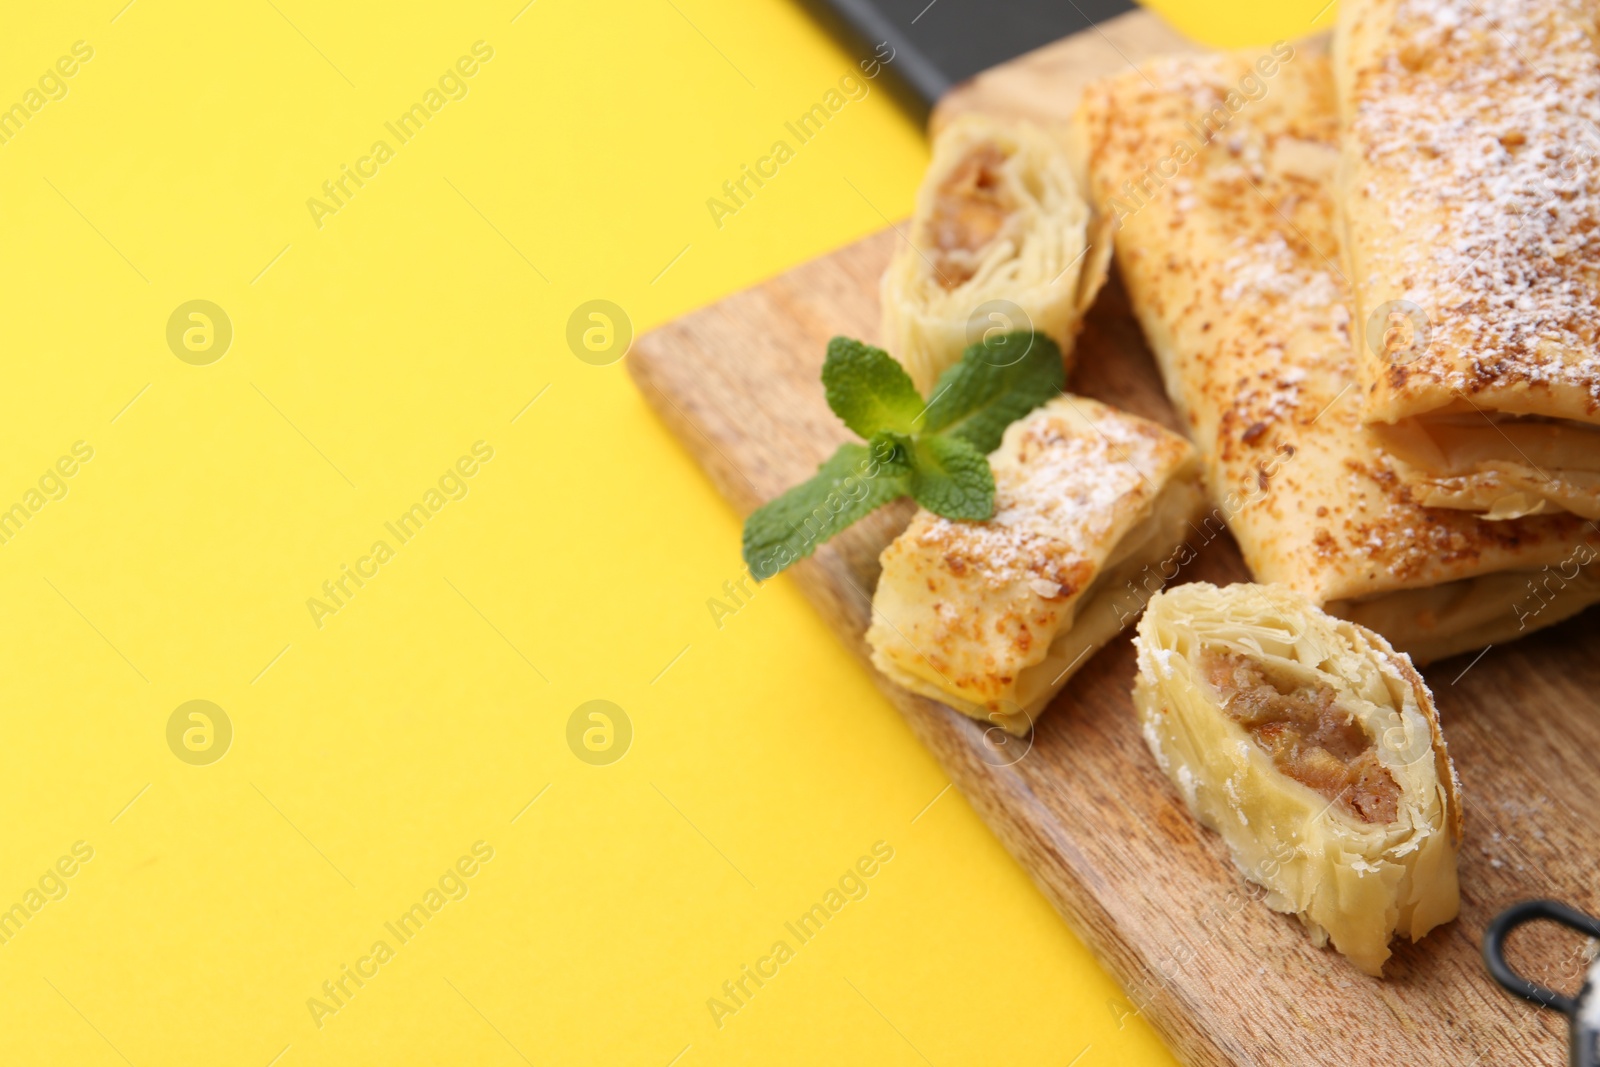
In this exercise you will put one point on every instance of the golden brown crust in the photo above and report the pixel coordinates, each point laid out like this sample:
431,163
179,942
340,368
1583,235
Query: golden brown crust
1470,191
1231,256
965,610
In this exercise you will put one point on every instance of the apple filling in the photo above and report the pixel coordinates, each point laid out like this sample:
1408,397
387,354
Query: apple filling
1301,727
970,208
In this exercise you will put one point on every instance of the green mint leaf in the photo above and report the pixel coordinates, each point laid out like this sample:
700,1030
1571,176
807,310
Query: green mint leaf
951,478
867,389
849,486
997,382
893,449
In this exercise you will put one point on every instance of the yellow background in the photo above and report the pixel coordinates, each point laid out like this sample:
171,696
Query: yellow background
369,754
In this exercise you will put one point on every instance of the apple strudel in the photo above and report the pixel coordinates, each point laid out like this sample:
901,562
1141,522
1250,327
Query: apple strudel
1229,249
993,617
1314,750
1001,240
1471,200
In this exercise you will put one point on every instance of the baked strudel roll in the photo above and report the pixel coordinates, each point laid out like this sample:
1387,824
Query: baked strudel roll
1313,748
1000,233
1221,170
1470,184
992,617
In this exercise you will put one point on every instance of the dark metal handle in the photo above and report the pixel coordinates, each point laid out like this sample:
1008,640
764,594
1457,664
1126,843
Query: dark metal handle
1517,915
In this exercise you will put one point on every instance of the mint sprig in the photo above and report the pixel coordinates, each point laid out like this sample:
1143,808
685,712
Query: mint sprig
935,452
992,387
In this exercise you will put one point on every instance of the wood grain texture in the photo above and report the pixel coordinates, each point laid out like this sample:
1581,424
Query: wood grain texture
1082,804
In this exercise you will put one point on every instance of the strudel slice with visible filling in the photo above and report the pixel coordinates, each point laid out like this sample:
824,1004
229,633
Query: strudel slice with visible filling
1001,240
1313,748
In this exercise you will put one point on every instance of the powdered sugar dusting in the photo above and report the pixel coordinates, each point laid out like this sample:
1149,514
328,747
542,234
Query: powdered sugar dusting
1246,280
1066,478
1479,195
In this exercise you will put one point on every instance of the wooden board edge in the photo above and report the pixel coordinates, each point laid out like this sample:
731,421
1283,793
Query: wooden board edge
1000,798
1075,61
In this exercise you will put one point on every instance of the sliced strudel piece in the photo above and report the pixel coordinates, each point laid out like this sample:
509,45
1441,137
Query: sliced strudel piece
1471,198
992,617
1314,749
1000,241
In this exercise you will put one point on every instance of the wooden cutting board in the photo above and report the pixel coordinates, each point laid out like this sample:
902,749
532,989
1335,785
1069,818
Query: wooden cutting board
1082,805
